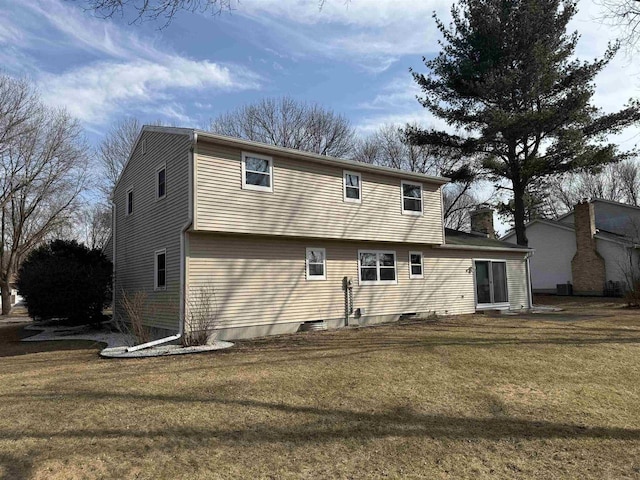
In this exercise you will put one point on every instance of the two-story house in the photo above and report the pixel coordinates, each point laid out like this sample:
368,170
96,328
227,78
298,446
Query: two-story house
282,237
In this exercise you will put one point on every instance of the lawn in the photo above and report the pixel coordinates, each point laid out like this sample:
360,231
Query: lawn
535,396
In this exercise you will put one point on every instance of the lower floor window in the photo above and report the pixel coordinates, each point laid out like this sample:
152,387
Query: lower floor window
375,267
415,265
316,264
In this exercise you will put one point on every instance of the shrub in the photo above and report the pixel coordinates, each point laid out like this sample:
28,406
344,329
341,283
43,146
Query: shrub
201,316
632,295
134,306
66,280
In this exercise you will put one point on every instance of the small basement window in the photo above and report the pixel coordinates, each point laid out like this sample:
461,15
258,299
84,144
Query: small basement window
376,267
160,282
415,265
352,187
257,172
411,198
161,182
316,264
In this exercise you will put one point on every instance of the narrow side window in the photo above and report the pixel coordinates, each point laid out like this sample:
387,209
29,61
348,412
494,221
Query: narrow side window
160,281
130,201
161,182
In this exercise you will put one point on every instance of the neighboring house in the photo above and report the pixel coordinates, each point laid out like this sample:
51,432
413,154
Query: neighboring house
281,237
13,295
594,248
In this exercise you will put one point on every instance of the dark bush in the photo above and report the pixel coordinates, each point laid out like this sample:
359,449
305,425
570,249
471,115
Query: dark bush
66,280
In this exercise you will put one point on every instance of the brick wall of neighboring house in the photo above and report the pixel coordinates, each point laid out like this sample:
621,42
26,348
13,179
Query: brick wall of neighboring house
482,222
587,266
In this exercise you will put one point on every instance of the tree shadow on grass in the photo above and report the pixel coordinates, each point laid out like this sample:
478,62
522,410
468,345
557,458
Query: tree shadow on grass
326,424
11,344
14,467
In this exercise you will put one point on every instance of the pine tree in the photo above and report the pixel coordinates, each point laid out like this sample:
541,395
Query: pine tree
507,81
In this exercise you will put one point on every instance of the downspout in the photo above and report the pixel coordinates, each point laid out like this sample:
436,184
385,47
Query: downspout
530,289
113,263
183,269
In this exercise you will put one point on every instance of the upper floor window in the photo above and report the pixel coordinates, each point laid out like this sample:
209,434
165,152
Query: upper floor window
130,201
161,182
352,187
316,264
257,172
376,267
411,198
160,268
144,146
415,265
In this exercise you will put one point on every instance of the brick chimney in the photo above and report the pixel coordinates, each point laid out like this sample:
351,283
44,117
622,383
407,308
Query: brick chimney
587,266
482,222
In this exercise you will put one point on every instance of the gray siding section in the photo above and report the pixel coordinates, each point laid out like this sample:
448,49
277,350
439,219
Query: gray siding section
261,281
154,225
307,201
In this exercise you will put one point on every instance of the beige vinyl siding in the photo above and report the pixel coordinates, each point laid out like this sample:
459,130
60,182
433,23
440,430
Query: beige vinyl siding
261,280
154,225
307,201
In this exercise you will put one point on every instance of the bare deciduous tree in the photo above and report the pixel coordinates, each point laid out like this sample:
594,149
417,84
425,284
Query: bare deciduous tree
157,9
114,151
625,16
93,225
286,122
19,104
618,182
48,163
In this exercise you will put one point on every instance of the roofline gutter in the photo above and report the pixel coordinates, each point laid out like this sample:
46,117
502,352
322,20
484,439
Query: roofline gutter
449,246
183,260
324,159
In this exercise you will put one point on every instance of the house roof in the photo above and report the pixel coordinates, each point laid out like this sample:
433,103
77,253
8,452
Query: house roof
460,238
292,152
600,234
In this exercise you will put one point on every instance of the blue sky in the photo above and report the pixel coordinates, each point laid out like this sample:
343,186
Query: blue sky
352,57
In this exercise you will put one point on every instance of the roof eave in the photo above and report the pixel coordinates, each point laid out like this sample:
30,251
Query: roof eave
308,156
474,247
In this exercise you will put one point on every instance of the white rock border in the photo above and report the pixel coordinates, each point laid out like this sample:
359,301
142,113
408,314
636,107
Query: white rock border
163,350
117,343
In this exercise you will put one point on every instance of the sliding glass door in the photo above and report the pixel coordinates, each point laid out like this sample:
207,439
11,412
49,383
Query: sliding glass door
491,282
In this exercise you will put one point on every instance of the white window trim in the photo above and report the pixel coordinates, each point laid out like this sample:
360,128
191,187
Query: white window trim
412,276
158,170
155,269
500,305
344,187
378,282
245,185
411,212
308,276
126,200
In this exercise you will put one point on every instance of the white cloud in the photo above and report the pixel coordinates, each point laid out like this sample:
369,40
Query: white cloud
95,92
371,33
131,72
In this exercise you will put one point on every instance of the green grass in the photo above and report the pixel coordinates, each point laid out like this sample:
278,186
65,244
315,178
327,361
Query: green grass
538,396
